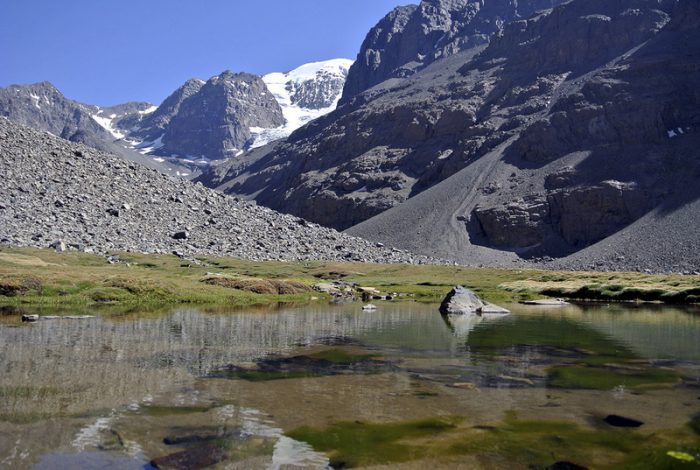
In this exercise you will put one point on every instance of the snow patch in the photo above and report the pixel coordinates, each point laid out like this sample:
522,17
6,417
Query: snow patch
148,110
445,154
148,147
282,85
35,98
106,124
675,132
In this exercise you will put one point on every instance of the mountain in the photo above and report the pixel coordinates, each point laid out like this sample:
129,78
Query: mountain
379,149
43,107
62,194
198,123
215,122
568,128
259,111
411,37
604,176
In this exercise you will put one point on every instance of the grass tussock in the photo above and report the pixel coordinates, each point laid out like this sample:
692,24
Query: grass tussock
261,286
613,287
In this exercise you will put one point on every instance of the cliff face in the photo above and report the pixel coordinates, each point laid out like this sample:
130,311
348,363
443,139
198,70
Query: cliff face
411,37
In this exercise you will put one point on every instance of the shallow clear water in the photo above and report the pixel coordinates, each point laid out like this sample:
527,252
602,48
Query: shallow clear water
228,389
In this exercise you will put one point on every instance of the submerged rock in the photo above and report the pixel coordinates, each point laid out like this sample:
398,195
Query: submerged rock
196,457
461,300
622,422
565,465
546,302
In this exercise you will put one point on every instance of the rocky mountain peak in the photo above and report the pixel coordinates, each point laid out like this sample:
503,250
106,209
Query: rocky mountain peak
215,122
410,38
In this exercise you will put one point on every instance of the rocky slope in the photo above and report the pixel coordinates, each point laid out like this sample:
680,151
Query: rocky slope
411,37
567,128
66,195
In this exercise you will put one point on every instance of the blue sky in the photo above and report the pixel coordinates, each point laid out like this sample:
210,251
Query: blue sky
107,52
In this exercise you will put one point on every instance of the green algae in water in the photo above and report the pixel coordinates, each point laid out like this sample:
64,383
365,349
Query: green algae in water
352,444
542,443
603,378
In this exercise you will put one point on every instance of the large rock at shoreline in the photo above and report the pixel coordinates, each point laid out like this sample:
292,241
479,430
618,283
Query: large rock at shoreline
463,301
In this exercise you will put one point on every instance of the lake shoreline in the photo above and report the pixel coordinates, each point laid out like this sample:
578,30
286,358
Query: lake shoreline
46,278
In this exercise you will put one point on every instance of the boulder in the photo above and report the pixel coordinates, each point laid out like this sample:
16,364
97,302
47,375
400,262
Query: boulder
462,301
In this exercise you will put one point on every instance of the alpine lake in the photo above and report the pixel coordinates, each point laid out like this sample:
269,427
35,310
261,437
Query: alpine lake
320,386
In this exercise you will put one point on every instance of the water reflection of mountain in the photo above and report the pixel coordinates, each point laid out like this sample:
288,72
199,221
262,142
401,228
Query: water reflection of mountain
651,331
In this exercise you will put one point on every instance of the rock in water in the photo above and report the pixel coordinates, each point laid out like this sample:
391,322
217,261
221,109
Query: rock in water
461,300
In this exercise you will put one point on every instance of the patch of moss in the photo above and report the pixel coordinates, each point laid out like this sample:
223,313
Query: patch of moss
660,458
542,443
607,378
354,444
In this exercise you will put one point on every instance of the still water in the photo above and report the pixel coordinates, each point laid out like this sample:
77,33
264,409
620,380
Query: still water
319,386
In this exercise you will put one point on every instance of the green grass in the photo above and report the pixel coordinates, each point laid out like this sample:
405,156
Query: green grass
46,278
613,287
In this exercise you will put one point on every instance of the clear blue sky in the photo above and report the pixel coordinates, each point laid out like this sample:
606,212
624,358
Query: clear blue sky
107,52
